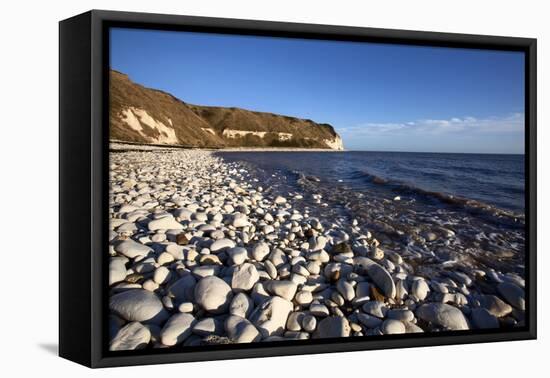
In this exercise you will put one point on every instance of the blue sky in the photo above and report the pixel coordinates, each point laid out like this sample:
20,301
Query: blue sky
377,96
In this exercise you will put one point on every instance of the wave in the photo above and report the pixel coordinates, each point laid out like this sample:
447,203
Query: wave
404,188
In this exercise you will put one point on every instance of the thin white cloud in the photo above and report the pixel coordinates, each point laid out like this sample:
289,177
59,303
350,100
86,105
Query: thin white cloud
511,123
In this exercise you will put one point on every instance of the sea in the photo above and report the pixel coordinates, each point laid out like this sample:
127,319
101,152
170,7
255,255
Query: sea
406,198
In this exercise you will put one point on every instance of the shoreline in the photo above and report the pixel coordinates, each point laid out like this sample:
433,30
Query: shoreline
201,254
131,146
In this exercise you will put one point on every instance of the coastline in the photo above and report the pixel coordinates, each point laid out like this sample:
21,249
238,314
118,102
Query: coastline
131,146
202,254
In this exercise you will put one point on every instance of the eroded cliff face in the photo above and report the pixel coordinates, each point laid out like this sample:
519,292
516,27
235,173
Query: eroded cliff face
149,116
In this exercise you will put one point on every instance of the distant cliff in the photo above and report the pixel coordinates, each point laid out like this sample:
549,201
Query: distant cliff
150,116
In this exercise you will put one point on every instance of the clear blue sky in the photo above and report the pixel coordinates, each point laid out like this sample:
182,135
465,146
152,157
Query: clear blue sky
377,96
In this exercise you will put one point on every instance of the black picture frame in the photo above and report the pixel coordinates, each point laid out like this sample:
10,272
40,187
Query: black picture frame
83,149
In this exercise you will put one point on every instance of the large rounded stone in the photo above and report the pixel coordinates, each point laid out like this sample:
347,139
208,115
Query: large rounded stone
138,305
165,223
244,277
420,289
177,329
494,305
482,318
183,289
393,327
260,251
240,330
285,289
241,305
382,278
130,248
213,294
270,317
333,326
221,245
131,337
443,315
117,270
512,294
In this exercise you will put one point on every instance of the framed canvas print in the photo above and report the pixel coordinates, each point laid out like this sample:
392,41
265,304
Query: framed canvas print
233,188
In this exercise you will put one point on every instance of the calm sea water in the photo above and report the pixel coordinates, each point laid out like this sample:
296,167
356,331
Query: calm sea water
496,180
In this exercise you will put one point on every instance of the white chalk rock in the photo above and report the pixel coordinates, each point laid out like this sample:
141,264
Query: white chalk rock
443,315
177,329
138,305
131,248
165,223
244,277
270,317
213,294
131,337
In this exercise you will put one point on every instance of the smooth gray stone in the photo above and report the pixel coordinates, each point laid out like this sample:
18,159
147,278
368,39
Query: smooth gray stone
482,318
177,329
443,315
213,294
513,294
131,337
270,317
333,326
132,249
240,330
382,279
138,305
392,327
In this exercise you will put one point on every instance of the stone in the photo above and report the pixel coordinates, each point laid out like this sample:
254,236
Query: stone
284,289
309,323
161,275
238,255
241,305
512,294
420,289
393,327
213,294
186,307
244,277
412,328
138,305
318,309
240,330
131,337
207,326
240,220
369,321
294,321
177,329
279,200
132,249
382,278
346,289
443,315
117,270
182,290
221,244
482,318
303,297
362,289
209,260
165,223
375,308
402,315
260,251
495,305
270,317
333,326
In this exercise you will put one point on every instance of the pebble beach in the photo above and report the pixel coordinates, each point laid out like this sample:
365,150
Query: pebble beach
200,254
